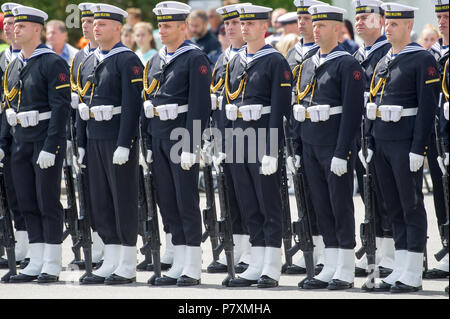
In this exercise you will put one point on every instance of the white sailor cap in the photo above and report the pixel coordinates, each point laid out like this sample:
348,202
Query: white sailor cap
248,11
368,6
441,5
108,12
398,11
85,9
28,14
7,9
174,5
171,11
303,5
287,18
229,12
326,12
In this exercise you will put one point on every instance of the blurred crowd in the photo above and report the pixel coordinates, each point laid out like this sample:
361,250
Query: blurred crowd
205,29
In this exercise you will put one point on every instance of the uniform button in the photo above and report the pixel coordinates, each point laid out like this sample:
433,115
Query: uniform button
350,152
58,146
57,152
348,158
424,153
132,141
426,147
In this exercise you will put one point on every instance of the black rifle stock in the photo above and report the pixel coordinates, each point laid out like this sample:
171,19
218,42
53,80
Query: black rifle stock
7,239
143,217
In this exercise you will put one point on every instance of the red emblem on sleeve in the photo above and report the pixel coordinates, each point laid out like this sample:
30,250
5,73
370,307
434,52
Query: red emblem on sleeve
287,75
136,70
203,69
431,71
62,77
357,75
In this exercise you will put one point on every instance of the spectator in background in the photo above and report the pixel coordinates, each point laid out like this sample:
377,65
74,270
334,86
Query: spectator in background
56,37
277,28
127,38
224,42
202,37
3,44
286,43
214,21
429,36
143,36
289,23
134,16
347,38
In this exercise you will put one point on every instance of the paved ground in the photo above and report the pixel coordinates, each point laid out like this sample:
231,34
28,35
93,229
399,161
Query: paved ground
211,289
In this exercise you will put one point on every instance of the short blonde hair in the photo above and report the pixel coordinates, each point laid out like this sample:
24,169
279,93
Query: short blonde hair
286,43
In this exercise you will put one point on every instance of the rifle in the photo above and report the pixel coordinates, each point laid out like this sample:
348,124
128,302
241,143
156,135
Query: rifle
142,219
286,225
367,228
71,213
151,237
302,227
209,213
443,229
7,239
224,226
83,224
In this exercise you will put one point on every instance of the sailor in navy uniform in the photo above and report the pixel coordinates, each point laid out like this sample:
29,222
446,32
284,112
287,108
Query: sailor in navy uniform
258,94
176,90
440,51
87,22
303,50
369,25
111,144
34,136
404,95
241,237
330,106
6,57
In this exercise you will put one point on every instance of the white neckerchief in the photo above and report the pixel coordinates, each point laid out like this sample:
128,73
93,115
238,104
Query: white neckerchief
185,47
303,50
318,61
10,55
101,57
230,54
413,47
261,53
39,51
366,53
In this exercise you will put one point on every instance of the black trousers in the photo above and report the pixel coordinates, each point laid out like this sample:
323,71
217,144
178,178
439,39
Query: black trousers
114,193
332,196
237,215
259,198
177,195
38,191
19,219
312,212
402,191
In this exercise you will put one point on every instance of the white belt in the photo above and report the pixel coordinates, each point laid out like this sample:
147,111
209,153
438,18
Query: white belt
116,110
41,117
180,108
264,110
405,112
333,111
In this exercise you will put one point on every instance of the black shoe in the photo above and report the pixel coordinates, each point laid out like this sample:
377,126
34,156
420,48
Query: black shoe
185,281
267,282
436,274
383,287
216,268
365,288
97,265
301,283
240,268
295,270
20,278
4,263
143,266
24,263
314,284
165,281
318,269
384,272
45,278
164,267
77,265
118,280
403,288
284,268
337,284
92,280
241,282
360,272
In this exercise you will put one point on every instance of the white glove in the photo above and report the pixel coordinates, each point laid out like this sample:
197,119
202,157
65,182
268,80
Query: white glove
371,111
81,153
2,155
314,113
246,112
98,114
121,155
446,108
324,112
367,160
206,153
187,160
396,112
291,165
338,166
149,158
217,160
149,109
33,118
75,101
213,102
299,112
107,112
269,165
385,113
45,160
446,159
23,118
83,109
415,162
231,112
11,117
